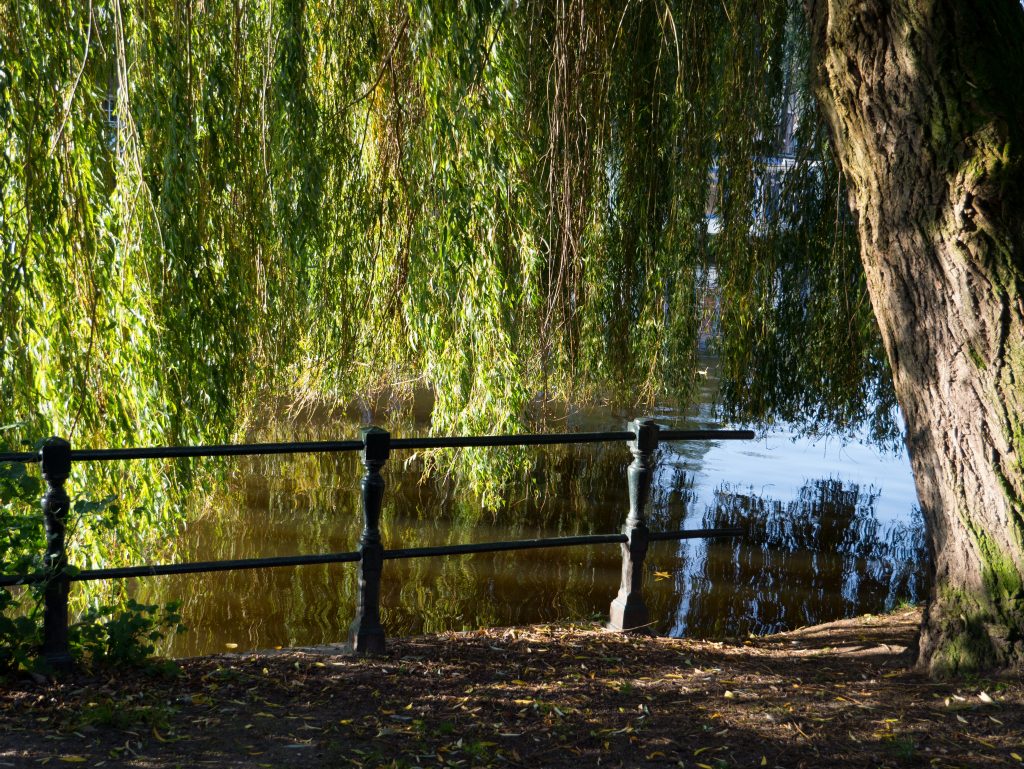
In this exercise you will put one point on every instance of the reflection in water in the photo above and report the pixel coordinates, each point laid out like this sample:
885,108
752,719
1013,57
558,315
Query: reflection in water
823,555
308,504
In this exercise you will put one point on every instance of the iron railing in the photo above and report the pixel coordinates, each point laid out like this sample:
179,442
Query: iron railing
627,612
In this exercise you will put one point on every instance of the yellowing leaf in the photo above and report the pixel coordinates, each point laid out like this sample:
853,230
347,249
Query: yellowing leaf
764,760
1016,757
230,646
662,574
73,759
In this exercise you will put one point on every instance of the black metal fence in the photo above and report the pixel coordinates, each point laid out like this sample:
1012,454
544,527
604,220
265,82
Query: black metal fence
627,612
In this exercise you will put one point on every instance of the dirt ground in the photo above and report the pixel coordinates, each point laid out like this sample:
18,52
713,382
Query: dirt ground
836,695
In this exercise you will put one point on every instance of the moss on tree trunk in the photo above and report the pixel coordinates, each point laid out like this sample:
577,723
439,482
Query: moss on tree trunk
925,103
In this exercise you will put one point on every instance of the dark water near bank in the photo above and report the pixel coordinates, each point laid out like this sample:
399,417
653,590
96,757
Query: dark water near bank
834,532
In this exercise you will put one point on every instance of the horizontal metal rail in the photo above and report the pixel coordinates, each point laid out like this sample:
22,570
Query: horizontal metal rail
530,439
529,544
185,568
494,547
324,447
22,457
238,450
180,452
663,536
197,567
706,435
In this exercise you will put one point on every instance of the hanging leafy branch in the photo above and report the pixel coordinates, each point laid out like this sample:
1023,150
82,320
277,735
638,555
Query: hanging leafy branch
205,204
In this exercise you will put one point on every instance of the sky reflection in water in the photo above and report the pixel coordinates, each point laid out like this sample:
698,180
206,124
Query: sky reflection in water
834,531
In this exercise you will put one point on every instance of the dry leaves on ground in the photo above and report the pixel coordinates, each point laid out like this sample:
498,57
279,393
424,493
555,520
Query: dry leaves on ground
551,696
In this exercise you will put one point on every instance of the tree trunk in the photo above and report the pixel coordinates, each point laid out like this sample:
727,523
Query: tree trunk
925,102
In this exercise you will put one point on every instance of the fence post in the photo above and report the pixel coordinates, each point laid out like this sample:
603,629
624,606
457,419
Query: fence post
56,467
367,632
628,610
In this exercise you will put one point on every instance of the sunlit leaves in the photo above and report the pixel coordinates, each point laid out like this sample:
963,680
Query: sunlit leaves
505,203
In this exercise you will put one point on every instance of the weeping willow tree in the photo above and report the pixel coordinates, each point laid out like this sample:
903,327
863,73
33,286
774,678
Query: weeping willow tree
205,205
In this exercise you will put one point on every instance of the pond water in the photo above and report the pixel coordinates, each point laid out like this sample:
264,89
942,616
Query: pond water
834,531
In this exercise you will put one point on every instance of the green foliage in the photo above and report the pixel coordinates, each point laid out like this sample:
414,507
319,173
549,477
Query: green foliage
502,201
122,714
20,634
125,634
21,548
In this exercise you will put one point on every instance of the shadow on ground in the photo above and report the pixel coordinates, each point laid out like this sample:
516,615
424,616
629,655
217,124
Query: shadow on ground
833,695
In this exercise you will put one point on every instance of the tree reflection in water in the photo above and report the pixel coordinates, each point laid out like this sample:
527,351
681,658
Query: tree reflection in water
821,556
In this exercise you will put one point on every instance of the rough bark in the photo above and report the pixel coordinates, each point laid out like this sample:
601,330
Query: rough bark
925,102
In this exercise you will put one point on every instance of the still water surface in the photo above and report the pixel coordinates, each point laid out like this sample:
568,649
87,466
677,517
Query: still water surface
834,531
